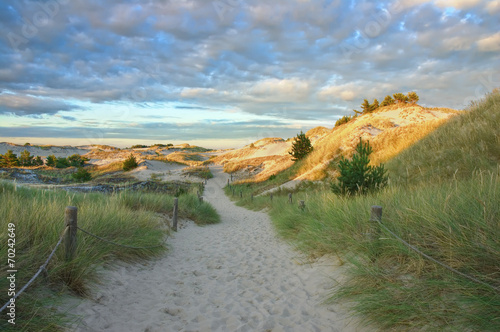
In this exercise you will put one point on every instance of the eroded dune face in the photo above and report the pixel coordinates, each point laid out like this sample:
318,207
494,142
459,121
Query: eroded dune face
389,130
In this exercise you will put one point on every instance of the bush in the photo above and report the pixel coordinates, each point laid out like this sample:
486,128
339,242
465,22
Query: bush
344,119
82,175
300,147
130,163
26,159
10,159
62,163
76,160
51,161
356,176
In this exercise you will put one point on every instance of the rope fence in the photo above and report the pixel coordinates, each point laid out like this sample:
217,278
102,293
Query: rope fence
377,217
42,268
69,237
117,244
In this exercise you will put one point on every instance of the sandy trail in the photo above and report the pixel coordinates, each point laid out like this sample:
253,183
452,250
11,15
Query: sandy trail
234,276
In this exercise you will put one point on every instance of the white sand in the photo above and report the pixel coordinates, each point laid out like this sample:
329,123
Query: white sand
234,276
164,170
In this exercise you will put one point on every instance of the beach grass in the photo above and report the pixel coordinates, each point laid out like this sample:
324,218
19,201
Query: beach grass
442,199
129,218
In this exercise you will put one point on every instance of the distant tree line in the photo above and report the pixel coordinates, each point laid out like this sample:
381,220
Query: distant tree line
11,159
397,98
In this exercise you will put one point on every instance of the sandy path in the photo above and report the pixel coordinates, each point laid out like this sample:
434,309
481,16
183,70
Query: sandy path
234,276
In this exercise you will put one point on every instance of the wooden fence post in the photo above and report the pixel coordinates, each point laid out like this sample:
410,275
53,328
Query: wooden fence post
302,205
290,200
71,221
271,197
241,194
374,235
176,211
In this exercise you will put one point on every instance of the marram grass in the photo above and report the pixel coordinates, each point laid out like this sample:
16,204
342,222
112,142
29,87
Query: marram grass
128,218
444,199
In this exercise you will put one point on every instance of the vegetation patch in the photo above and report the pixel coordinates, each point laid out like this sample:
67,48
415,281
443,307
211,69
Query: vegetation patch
201,172
442,199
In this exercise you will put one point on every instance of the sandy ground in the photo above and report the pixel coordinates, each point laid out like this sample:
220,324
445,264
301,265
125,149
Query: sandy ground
234,276
164,171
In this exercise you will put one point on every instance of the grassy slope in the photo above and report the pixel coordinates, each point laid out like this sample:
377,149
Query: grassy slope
127,218
451,216
466,143
393,140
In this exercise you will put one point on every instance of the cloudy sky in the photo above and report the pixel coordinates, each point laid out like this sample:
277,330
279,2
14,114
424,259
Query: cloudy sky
228,72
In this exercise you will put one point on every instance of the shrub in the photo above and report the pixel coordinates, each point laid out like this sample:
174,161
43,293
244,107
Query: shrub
10,159
38,161
300,147
356,176
62,163
130,163
344,119
82,175
25,159
76,160
51,161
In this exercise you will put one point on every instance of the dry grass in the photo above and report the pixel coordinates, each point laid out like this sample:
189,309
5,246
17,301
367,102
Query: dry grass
387,139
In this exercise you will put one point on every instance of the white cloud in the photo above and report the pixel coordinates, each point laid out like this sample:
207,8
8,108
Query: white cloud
346,92
490,44
281,90
458,4
197,92
493,6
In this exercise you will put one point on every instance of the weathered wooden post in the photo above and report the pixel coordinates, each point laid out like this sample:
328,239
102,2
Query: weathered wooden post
271,196
71,221
251,197
176,211
374,235
302,205
290,200
241,194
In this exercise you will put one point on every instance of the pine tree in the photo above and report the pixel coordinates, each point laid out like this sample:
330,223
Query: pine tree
10,159
300,147
387,101
62,162
374,106
356,176
25,159
130,163
400,98
365,106
76,160
82,175
38,161
51,161
413,97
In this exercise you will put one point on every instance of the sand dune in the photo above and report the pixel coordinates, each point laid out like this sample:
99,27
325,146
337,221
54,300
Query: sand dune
234,276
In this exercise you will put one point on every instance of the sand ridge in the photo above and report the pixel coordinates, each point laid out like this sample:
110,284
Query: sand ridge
233,276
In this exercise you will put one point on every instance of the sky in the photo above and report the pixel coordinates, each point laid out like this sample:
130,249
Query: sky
226,73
